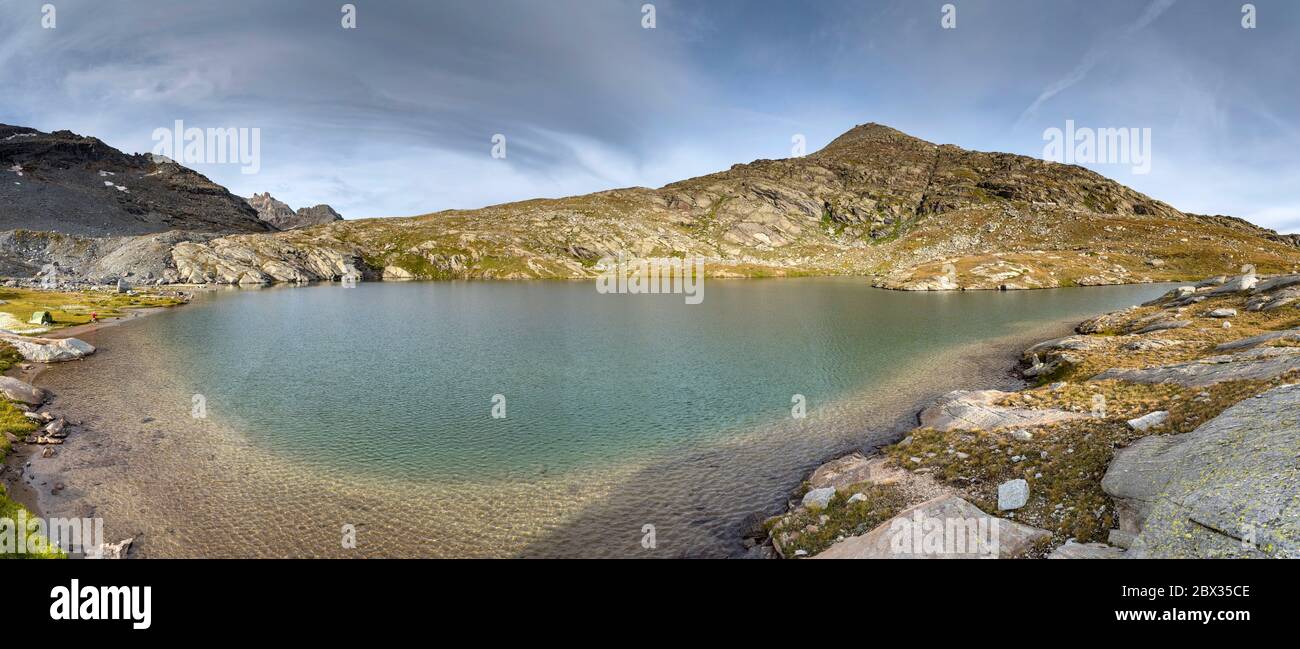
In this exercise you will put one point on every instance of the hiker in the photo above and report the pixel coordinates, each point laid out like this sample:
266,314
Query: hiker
94,317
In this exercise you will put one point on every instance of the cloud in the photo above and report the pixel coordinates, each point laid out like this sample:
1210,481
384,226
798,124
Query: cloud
1094,55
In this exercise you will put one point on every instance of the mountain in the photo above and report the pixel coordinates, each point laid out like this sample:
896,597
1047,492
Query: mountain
78,185
875,202
282,217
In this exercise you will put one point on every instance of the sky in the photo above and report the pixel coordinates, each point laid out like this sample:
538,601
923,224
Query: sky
396,116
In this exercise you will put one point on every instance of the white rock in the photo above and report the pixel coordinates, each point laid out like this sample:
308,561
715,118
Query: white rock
1013,494
858,497
1223,313
818,498
1149,420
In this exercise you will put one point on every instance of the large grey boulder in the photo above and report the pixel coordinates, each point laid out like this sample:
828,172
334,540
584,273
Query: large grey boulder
976,410
1256,364
1226,489
946,527
49,350
16,390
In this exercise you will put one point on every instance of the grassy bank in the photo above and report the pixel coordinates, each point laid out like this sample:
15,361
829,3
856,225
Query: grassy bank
12,421
69,309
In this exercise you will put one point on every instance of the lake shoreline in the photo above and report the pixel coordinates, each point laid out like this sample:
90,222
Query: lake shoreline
994,358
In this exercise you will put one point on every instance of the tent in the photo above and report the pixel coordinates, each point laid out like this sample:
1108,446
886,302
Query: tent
41,318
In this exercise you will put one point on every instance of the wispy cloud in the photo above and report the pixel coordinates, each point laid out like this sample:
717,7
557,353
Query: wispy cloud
1094,55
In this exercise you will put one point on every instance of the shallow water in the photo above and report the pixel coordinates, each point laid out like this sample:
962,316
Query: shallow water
373,406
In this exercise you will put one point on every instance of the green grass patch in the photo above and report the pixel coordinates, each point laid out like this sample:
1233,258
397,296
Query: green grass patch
815,530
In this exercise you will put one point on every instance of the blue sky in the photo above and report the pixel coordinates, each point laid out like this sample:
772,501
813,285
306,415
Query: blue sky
396,117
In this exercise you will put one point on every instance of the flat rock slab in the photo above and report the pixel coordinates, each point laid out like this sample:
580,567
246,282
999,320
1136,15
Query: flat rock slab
1256,364
1164,325
853,469
897,537
1226,489
975,410
17,390
1255,341
1076,550
49,350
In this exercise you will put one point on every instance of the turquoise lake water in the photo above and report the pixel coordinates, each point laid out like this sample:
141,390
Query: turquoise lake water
398,381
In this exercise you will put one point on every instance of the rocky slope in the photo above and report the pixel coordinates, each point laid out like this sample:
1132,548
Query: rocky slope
875,202
1166,430
63,182
282,217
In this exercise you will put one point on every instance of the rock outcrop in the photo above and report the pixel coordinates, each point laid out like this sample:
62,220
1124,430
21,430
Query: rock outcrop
1254,364
897,538
282,217
1226,489
977,410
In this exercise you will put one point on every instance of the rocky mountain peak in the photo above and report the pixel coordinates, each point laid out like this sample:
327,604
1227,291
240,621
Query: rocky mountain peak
79,185
280,216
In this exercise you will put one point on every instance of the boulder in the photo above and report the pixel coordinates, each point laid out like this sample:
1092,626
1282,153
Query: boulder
397,273
1075,550
1013,494
947,527
1148,421
975,410
853,469
1068,343
1257,364
1223,313
16,390
818,498
1226,489
49,350
1239,284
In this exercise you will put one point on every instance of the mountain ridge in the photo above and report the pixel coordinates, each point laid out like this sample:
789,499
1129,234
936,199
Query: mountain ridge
79,185
874,202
